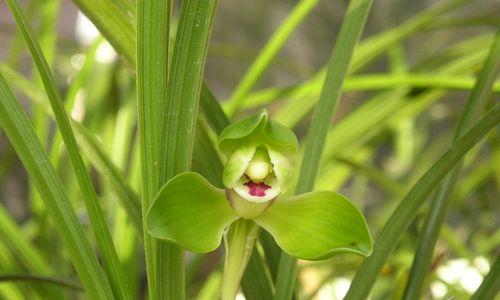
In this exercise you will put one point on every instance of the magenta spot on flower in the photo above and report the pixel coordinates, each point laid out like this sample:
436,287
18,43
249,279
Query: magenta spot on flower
257,188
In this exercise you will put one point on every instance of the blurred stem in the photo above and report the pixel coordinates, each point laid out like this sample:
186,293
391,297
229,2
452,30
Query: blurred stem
239,243
268,53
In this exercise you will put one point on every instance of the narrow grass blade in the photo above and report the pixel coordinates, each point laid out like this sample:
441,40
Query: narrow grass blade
491,283
23,138
153,19
400,219
439,205
349,35
179,117
268,53
96,216
60,282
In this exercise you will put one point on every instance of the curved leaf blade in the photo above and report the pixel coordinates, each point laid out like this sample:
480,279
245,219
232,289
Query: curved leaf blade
317,225
189,211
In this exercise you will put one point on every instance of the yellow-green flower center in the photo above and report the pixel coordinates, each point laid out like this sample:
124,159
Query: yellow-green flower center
260,166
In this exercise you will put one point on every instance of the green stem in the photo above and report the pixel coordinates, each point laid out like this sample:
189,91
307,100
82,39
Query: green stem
239,243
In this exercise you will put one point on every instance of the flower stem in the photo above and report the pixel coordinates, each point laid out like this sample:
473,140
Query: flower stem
239,242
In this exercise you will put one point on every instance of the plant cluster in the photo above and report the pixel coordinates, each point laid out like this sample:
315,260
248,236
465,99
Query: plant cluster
137,172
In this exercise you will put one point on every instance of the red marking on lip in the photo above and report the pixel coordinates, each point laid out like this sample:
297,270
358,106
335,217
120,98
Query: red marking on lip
257,188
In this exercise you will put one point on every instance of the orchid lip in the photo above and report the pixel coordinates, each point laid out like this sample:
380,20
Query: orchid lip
257,191
257,188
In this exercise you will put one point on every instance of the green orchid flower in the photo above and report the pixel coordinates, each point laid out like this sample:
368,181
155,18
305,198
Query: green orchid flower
193,213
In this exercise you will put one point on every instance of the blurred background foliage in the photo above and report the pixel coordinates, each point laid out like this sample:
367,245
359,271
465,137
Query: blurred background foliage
395,118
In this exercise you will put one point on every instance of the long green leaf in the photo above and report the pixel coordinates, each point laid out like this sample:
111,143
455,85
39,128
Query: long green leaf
96,216
400,219
349,35
437,213
23,138
153,19
180,114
